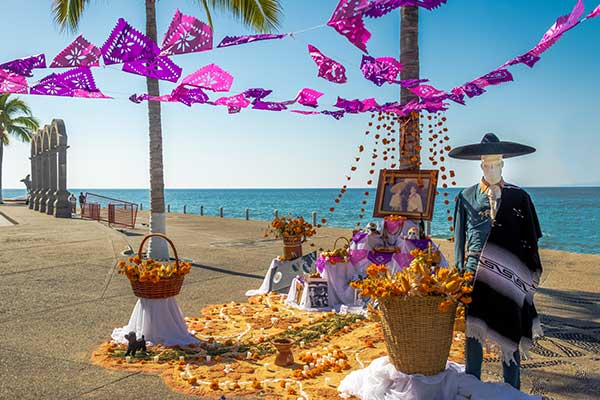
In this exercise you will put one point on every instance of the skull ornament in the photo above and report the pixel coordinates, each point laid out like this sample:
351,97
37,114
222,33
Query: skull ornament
412,233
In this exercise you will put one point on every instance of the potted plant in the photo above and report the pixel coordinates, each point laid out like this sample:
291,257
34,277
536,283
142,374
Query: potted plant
293,231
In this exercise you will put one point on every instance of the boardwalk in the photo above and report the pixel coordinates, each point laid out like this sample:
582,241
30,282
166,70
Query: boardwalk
59,301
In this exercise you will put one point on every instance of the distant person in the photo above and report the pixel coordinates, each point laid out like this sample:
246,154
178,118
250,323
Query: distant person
415,202
81,201
73,202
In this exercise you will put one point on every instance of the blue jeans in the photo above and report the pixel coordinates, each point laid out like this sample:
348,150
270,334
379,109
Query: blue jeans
474,359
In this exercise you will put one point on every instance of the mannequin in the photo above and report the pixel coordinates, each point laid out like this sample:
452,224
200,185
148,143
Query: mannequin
497,224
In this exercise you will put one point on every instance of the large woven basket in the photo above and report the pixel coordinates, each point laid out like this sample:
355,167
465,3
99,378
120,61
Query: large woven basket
164,287
417,334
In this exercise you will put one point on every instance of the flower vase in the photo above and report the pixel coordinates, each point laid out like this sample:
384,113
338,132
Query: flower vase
292,247
284,352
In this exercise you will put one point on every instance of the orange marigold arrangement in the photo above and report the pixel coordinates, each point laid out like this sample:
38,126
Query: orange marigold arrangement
150,270
286,226
394,218
419,279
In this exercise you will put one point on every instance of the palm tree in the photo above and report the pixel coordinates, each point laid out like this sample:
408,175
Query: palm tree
409,57
259,15
15,120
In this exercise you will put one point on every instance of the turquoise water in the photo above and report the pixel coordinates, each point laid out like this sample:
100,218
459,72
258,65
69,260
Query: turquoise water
569,216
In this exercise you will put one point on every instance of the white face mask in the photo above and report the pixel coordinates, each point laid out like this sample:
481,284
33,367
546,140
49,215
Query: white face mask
492,168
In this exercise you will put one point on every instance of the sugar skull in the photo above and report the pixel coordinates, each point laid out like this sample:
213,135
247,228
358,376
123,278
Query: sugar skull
412,233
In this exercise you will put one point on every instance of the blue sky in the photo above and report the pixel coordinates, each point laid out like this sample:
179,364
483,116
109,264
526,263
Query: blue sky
553,107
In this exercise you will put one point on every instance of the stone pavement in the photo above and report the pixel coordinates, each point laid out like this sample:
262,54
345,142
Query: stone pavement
61,298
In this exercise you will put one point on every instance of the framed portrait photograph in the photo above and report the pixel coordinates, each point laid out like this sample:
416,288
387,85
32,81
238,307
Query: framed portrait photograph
407,193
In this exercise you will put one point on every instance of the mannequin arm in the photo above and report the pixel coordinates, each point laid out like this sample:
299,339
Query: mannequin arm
459,233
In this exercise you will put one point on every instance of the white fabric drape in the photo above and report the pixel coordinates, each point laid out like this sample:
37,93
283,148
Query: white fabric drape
159,320
381,381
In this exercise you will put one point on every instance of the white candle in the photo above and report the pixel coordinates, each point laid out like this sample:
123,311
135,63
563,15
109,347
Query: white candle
155,359
128,359
322,336
327,380
181,358
289,327
306,368
208,358
302,343
248,355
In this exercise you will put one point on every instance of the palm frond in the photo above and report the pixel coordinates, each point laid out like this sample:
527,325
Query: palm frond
16,119
259,15
4,139
16,105
207,11
21,132
67,13
28,122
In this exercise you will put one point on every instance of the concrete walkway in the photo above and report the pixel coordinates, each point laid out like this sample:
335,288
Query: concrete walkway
60,299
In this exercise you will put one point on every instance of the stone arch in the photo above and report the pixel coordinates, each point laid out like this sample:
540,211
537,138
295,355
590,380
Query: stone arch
58,128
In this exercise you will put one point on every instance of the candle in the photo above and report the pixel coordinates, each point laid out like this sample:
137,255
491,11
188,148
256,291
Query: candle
306,368
155,359
181,358
328,381
248,355
322,336
128,359
208,358
289,327
262,330
302,343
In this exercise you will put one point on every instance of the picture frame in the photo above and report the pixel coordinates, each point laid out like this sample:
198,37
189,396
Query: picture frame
407,193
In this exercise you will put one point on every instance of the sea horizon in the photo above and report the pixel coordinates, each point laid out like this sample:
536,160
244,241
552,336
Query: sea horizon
564,211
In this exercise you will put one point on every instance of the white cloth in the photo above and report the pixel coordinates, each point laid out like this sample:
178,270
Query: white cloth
338,277
264,286
159,320
381,381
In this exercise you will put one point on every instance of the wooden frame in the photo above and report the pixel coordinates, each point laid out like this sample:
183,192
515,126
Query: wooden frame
396,196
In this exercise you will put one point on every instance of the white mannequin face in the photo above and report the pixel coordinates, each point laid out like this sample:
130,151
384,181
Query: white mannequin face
492,165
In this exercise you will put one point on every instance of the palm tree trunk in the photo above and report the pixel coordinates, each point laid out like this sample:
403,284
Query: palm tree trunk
410,154
157,248
1,157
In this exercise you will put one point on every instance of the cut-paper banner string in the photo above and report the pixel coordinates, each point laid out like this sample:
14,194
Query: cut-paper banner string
380,70
80,53
158,68
238,101
329,69
71,83
210,77
347,20
189,96
595,12
257,93
126,44
561,25
309,97
335,114
186,34
12,83
269,105
24,66
237,40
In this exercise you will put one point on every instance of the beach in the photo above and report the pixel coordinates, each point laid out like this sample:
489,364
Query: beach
61,299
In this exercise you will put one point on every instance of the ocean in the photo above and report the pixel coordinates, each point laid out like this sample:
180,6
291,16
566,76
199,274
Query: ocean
569,216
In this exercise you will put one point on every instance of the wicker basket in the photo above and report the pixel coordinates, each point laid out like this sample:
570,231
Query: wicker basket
417,334
292,247
164,287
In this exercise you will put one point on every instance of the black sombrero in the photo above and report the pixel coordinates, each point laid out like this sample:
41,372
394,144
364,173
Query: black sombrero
490,144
